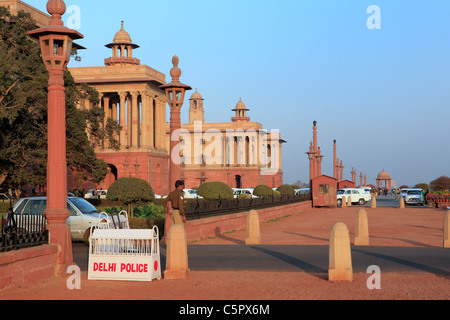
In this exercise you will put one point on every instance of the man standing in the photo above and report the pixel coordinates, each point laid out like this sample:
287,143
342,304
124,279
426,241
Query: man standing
176,199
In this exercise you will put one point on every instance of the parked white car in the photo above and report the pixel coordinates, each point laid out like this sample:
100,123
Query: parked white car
191,194
96,194
359,196
83,215
302,191
248,191
414,196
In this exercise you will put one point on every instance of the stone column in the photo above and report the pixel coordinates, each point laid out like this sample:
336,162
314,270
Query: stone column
129,119
151,115
123,136
340,258
361,228
334,160
163,134
158,124
135,119
145,113
253,229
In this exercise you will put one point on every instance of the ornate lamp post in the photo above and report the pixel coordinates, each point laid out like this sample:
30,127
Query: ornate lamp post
56,43
175,92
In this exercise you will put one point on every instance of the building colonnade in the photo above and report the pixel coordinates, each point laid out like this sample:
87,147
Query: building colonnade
142,116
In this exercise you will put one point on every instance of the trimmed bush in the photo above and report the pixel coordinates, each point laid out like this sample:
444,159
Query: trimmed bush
149,211
263,191
286,190
147,223
214,190
130,191
244,196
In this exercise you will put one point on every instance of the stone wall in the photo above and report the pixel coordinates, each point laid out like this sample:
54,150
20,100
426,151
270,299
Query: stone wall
25,266
207,227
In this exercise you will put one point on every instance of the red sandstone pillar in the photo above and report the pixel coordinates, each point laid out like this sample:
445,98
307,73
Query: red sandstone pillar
175,92
57,212
334,160
56,44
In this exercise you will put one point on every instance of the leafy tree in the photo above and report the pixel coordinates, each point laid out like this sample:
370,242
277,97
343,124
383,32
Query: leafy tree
130,191
263,190
286,189
422,186
23,112
440,184
214,190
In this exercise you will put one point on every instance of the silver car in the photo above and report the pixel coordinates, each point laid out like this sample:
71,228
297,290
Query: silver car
414,196
83,215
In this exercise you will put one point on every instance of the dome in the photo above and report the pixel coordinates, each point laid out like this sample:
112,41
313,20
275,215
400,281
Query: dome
122,36
196,96
383,175
240,105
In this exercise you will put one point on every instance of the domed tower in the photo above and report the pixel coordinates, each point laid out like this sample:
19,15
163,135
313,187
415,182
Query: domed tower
383,176
241,112
122,50
196,112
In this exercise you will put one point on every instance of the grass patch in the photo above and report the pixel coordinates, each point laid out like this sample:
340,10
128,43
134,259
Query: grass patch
279,218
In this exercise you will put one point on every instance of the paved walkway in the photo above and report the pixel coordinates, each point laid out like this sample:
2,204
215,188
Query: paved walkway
291,263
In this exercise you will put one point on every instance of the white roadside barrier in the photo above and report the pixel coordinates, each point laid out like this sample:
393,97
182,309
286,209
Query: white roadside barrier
124,254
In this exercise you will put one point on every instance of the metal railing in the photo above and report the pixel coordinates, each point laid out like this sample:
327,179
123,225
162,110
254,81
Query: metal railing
197,209
22,231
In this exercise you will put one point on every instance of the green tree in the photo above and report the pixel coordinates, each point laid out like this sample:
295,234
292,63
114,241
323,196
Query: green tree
286,189
23,112
440,184
422,186
214,190
130,191
263,191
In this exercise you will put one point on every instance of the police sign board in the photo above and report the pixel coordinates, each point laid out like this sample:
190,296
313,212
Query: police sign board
124,254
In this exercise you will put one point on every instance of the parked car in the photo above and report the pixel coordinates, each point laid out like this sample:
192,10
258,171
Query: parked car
356,195
96,194
248,191
83,215
302,191
403,192
191,194
414,196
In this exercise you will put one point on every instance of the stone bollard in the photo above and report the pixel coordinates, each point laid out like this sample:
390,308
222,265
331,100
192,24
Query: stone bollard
349,201
362,228
340,257
253,229
402,203
344,202
447,230
176,256
374,202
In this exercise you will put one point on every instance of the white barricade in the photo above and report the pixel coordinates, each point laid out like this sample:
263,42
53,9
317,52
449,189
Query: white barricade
124,254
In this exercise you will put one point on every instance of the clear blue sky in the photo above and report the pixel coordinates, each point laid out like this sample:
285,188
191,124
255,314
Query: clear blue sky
384,95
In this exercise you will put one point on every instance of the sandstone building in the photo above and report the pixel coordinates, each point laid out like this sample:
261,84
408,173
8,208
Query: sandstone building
239,153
